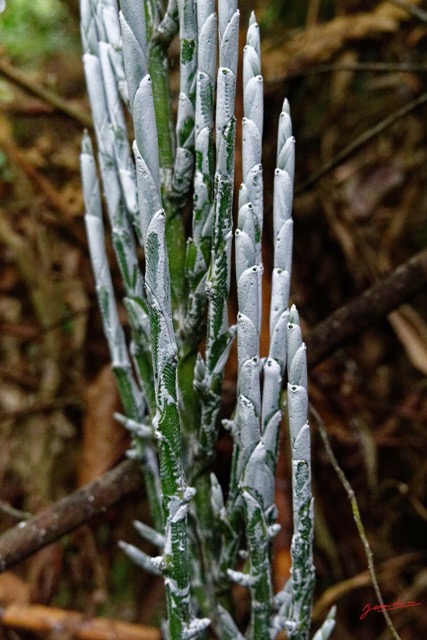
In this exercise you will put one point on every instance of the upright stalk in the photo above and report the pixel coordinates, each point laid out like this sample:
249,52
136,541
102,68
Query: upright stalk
171,381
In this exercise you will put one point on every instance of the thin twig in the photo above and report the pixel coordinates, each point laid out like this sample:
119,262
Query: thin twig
17,514
356,145
51,404
357,518
24,82
368,67
33,108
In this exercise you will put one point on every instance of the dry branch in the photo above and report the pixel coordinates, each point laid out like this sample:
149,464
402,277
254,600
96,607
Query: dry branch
69,513
367,309
25,82
42,619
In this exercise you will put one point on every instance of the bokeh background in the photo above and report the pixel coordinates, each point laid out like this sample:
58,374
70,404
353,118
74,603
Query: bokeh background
345,66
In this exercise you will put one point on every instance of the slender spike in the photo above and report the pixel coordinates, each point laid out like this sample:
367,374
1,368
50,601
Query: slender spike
184,159
246,429
217,288
117,124
259,550
199,246
122,233
115,163
229,630
106,298
297,624
131,397
226,10
88,27
109,19
134,47
327,627
149,534
279,314
167,430
152,565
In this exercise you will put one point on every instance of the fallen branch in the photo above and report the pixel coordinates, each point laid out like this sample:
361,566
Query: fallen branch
80,506
42,619
367,309
67,514
24,82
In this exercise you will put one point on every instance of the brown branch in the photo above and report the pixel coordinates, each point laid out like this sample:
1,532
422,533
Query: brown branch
24,82
28,108
67,514
367,309
40,619
40,406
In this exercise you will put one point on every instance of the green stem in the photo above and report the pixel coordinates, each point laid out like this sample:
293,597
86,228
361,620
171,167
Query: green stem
176,496
176,248
158,69
175,233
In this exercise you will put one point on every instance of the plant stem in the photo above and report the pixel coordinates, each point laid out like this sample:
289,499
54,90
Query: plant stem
357,518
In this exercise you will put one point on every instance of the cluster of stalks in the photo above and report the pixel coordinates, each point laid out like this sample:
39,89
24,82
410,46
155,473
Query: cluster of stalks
176,299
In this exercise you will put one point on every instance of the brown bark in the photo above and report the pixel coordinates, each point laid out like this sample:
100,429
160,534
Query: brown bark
69,513
367,309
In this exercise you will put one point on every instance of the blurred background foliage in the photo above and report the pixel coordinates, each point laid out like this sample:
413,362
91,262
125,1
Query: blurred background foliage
31,30
345,65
